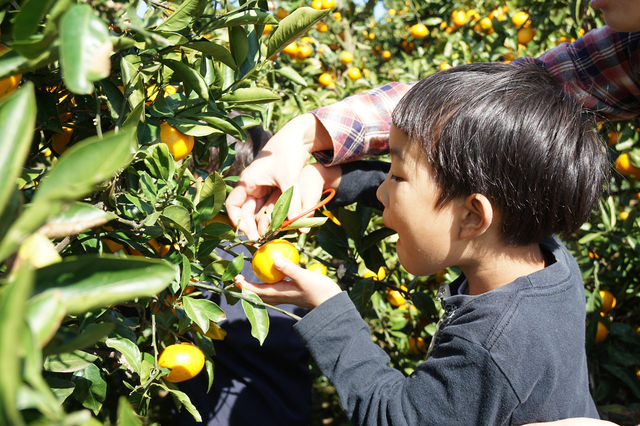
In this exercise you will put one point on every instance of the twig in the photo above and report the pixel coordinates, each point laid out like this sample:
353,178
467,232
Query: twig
65,242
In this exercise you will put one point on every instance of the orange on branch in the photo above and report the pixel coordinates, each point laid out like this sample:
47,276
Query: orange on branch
185,361
354,73
525,35
346,58
59,141
519,18
624,167
419,31
458,17
608,301
318,267
180,145
262,262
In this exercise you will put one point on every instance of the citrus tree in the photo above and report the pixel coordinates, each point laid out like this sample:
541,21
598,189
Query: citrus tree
110,225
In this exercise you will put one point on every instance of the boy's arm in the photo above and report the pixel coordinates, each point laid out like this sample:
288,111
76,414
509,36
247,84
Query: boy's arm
458,384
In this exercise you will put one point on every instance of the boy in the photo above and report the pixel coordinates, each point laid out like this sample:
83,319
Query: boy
488,161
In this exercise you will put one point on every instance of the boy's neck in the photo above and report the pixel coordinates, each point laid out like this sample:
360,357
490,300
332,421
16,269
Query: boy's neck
497,267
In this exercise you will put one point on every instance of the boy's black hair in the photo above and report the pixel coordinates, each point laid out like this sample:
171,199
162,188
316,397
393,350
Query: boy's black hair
514,135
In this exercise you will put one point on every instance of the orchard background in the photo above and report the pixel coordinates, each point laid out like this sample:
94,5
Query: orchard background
109,115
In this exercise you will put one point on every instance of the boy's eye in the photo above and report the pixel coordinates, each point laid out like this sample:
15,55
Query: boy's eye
395,178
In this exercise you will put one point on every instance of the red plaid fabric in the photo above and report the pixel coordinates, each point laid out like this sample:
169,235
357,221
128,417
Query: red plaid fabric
359,125
601,69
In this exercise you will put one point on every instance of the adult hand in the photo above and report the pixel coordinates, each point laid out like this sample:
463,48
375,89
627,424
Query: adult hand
306,289
277,168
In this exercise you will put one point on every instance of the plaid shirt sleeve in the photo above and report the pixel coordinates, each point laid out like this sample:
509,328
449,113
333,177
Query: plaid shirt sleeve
601,69
359,125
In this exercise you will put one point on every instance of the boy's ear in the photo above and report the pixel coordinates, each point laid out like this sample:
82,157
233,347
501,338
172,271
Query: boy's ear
477,216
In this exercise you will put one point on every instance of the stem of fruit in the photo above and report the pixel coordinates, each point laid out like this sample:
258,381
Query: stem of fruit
240,296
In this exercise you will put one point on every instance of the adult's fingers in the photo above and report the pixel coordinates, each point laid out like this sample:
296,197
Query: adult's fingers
247,219
263,216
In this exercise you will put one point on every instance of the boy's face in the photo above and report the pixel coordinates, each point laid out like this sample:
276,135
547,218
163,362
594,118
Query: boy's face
409,195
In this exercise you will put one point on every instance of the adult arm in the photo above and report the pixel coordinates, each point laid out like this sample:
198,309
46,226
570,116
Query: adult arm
335,134
600,69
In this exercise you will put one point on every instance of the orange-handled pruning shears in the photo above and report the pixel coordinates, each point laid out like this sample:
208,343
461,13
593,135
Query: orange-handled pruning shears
331,192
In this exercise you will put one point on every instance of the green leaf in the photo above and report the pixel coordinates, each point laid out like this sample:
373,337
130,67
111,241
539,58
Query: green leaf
85,49
280,210
17,120
12,62
216,51
129,350
352,225
182,400
44,315
61,388
126,415
201,311
244,17
85,339
178,20
309,222
91,282
115,98
375,237
257,315
361,293
160,162
239,44
373,258
27,22
68,362
292,27
75,218
179,218
234,268
291,74
223,123
12,304
91,389
85,165
252,95
134,86
219,230
191,127
576,15
34,215
189,76
212,196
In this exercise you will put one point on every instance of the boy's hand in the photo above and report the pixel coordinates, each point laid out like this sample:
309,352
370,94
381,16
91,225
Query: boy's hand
306,289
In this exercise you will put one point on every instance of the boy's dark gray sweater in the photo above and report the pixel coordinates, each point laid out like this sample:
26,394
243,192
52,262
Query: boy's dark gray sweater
510,356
